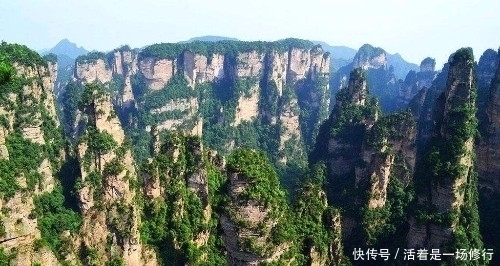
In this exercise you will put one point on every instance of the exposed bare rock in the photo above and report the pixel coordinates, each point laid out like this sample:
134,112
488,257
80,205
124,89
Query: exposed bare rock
369,57
299,62
93,71
248,107
250,64
248,223
110,215
488,155
290,127
428,65
4,153
446,190
198,68
157,72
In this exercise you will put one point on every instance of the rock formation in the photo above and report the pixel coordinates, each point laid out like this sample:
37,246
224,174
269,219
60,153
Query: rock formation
447,182
106,193
30,152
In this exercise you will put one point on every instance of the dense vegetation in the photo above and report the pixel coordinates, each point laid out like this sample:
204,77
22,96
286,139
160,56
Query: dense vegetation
176,220
444,161
173,50
182,219
27,153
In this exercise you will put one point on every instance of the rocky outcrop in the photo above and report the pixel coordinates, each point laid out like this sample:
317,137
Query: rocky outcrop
157,72
199,68
180,185
389,152
251,216
110,215
90,71
28,152
369,57
125,64
248,106
415,81
488,159
238,72
442,188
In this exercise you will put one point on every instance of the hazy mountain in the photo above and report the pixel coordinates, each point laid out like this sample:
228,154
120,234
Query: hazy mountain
401,66
209,38
67,48
340,55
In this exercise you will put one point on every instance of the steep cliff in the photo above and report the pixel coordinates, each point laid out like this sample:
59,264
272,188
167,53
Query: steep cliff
254,216
107,188
264,95
486,151
370,163
446,182
415,81
177,217
382,71
32,155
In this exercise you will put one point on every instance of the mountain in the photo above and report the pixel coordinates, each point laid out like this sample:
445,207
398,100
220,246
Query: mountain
225,153
67,48
401,66
209,38
341,55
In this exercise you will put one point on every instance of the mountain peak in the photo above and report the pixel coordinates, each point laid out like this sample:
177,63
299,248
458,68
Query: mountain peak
68,48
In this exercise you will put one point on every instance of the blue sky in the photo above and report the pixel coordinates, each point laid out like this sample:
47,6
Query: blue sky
415,29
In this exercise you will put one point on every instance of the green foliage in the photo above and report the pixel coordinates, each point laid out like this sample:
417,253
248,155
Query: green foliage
24,157
113,168
4,258
16,53
349,117
177,88
389,127
465,55
115,261
54,218
116,85
90,95
51,58
6,72
91,57
369,51
445,160
100,142
173,221
70,98
256,168
173,50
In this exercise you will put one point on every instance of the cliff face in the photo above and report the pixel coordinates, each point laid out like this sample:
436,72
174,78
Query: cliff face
368,158
380,76
450,185
487,149
416,81
250,223
106,193
369,57
487,157
389,152
280,88
177,215
89,71
29,130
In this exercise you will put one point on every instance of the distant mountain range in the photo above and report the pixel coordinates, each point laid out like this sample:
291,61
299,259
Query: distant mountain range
209,38
342,56
67,48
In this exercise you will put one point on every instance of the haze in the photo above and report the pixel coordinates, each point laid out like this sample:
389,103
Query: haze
415,30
